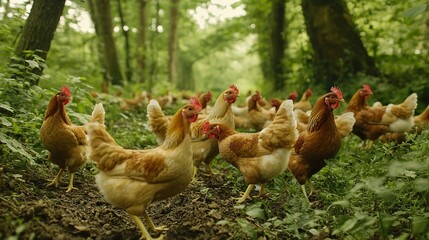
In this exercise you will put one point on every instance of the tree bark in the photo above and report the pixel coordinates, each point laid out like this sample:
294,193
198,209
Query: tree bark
336,43
38,33
103,20
128,70
153,47
172,41
278,44
141,48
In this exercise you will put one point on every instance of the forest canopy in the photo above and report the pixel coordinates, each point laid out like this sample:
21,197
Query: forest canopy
198,45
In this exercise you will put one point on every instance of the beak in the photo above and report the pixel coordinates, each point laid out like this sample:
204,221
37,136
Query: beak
342,100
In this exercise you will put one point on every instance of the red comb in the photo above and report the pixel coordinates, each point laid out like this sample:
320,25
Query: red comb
206,127
234,88
367,88
337,91
196,103
66,90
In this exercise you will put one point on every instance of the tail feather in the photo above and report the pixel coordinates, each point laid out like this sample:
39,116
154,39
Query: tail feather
345,123
98,114
282,131
101,146
158,122
404,110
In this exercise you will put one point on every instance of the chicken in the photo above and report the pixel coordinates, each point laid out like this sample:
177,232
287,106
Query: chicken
135,103
204,99
259,117
372,122
259,156
64,141
319,142
167,100
133,179
276,102
343,122
204,149
304,103
421,122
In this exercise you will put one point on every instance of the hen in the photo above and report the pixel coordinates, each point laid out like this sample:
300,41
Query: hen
259,116
372,122
203,148
133,179
319,142
259,156
64,141
204,99
304,103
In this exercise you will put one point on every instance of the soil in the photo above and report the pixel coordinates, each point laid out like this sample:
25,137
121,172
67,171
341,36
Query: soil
30,210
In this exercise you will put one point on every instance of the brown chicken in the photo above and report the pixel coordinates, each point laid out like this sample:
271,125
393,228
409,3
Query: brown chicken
204,149
64,141
276,102
304,103
133,179
343,122
204,99
135,103
319,142
259,117
259,156
372,122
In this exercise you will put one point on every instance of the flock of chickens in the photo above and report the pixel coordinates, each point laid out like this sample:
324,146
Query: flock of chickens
298,137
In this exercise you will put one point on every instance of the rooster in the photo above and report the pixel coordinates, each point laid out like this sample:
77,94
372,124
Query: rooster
133,179
372,122
64,141
204,149
259,156
304,103
319,142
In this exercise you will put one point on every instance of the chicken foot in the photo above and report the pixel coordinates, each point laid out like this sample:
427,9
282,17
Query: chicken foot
246,195
56,180
261,190
151,225
305,193
70,186
312,190
145,233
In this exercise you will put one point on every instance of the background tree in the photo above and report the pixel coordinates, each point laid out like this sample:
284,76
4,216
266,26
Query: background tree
172,40
141,41
338,49
127,48
37,35
278,44
100,11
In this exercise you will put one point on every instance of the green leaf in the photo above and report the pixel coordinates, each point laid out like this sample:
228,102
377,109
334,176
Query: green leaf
410,174
32,64
419,225
6,107
348,225
5,122
411,13
256,213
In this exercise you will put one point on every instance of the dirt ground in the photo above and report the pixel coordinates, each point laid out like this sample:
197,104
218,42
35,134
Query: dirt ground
30,210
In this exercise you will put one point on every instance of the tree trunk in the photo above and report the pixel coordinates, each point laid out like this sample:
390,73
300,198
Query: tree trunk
172,40
153,47
103,20
278,44
141,48
38,33
125,31
336,43
186,77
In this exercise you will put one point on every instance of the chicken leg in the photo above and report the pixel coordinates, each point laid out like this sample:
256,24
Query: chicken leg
70,187
261,190
145,233
151,225
56,180
305,193
246,195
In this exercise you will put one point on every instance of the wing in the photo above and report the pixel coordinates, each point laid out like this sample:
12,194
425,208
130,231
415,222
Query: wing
79,133
300,142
